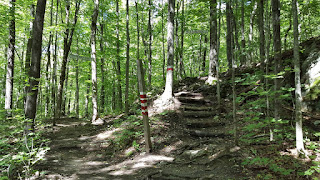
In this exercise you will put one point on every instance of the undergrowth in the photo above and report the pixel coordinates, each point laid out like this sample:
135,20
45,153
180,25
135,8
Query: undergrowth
271,140
19,153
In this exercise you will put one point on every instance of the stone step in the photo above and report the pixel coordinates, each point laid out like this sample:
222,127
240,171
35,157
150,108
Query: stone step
208,132
203,123
198,114
195,101
196,108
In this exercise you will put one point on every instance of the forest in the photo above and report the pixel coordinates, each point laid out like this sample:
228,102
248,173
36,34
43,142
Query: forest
145,89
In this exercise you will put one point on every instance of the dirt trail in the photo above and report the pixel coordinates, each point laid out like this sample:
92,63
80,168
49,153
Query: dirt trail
196,144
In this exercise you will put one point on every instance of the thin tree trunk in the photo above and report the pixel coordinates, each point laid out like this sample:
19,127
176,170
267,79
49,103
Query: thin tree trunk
126,106
253,13
177,44
77,81
102,94
150,45
64,100
261,38
182,39
277,52
163,51
87,101
243,41
34,72
48,63
168,92
118,58
143,97
10,56
213,61
199,59
229,34
299,131
54,71
204,54
67,45
217,66
268,42
95,114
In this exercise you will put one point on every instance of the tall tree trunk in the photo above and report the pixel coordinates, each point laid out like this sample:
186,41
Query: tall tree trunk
54,71
49,63
150,45
204,54
168,92
182,39
268,43
94,62
299,132
253,13
213,61
64,100
29,48
217,66
229,35
243,41
143,96
163,51
199,59
34,72
10,56
261,39
67,45
102,96
277,52
231,60
177,43
126,106
77,81
86,104
118,58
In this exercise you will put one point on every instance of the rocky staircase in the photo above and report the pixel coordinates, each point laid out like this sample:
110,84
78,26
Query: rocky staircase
199,116
207,151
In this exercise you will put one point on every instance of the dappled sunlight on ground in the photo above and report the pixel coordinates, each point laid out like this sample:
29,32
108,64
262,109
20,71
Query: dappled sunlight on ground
130,166
107,134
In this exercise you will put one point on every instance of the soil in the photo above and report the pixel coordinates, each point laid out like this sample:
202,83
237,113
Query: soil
192,142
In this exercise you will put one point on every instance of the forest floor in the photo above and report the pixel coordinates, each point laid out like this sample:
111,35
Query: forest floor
192,142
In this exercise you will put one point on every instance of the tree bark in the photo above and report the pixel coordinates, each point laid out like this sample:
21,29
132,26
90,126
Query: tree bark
34,72
94,62
102,96
77,81
143,98
54,71
182,42
168,92
177,43
277,52
150,45
261,38
298,112
118,58
229,35
47,107
67,45
163,51
243,41
253,13
126,105
10,56
213,41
